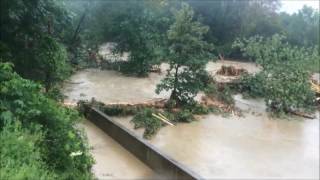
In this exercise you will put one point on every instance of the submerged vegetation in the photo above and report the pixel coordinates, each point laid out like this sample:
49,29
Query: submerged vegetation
284,81
146,120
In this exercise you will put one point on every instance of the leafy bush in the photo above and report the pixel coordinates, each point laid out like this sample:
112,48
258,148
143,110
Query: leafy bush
274,51
222,93
184,115
199,109
145,119
119,110
23,101
287,88
252,85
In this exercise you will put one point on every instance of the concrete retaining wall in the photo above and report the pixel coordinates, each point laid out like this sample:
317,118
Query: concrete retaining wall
147,153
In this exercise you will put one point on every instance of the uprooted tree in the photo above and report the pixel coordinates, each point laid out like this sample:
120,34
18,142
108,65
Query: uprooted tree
188,54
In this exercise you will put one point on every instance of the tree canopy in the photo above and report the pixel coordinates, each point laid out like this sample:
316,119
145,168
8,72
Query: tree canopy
188,53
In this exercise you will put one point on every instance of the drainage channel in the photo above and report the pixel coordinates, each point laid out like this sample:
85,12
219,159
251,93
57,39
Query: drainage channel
112,161
162,164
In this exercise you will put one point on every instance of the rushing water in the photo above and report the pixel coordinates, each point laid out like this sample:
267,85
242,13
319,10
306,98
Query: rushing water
213,146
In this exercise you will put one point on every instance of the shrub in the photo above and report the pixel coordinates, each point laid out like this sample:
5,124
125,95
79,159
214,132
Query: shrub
199,109
222,93
287,88
20,156
145,119
184,115
23,101
117,110
252,85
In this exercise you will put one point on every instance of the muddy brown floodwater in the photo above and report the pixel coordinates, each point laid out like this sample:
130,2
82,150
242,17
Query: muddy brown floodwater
253,146
111,86
112,160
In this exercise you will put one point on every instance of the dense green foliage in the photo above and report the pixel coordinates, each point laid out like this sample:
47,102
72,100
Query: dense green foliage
274,51
302,28
187,57
129,22
32,33
252,85
231,19
138,31
144,119
288,88
52,126
20,157
284,80
135,26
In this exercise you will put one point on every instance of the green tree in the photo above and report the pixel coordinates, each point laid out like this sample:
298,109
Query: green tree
302,28
51,63
232,18
138,30
32,33
284,80
188,55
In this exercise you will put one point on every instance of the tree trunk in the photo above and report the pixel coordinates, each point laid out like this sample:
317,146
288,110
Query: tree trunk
47,83
77,31
173,95
50,25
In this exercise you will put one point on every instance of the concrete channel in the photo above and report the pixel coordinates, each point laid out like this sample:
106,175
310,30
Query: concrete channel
144,151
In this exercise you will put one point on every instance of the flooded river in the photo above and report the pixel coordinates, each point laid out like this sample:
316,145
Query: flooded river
242,147
112,160
213,146
111,86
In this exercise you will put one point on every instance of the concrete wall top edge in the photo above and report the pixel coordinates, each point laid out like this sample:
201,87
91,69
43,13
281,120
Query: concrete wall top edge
155,149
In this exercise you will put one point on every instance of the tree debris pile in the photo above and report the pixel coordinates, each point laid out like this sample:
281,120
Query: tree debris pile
156,113
315,87
231,71
155,69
